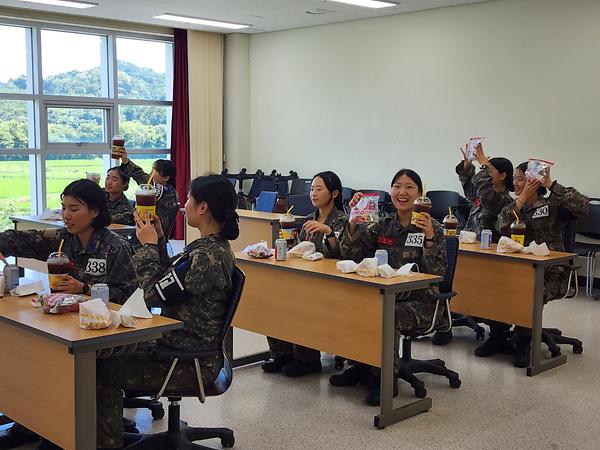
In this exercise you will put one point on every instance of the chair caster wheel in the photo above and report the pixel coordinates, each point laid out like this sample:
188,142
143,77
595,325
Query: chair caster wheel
555,352
227,441
420,390
454,382
578,349
158,412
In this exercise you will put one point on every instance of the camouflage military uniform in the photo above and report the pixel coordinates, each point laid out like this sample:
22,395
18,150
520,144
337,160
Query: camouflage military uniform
404,244
105,259
121,211
544,225
167,198
487,203
337,221
208,280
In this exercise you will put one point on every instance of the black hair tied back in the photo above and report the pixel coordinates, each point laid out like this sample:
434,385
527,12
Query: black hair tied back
218,192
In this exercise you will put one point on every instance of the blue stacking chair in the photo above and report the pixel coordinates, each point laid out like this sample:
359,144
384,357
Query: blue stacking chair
266,201
301,203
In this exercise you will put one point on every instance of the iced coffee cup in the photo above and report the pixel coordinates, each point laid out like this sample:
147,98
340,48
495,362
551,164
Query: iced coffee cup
517,232
58,264
450,225
422,204
118,145
145,200
287,226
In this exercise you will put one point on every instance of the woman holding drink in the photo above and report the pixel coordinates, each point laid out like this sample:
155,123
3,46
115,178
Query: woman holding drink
115,184
156,193
88,252
408,238
322,227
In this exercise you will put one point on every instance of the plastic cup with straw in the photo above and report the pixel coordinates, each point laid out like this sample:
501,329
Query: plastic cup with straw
287,224
58,264
145,198
450,224
518,229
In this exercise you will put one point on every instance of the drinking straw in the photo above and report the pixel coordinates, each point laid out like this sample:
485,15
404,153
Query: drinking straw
450,211
516,216
151,176
62,241
291,207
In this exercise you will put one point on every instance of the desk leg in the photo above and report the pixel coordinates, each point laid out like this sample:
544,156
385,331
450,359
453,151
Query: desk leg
244,360
85,400
389,415
537,365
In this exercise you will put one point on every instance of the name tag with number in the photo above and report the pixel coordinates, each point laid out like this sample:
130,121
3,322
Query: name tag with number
95,267
415,240
542,211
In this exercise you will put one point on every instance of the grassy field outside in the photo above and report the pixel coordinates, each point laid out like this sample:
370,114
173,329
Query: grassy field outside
14,183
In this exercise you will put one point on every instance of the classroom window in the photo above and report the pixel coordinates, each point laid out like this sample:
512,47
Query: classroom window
64,92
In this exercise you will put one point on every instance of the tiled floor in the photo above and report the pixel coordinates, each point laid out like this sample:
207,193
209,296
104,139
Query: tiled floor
497,407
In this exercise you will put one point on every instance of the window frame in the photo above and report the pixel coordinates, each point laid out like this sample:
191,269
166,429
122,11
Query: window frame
39,147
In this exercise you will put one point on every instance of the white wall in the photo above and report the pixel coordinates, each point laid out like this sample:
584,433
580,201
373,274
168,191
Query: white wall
366,98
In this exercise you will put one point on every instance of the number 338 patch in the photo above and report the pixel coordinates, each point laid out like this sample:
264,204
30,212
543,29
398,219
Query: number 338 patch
95,267
415,240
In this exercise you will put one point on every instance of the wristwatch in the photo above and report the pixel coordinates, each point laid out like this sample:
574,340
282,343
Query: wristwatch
330,235
429,240
85,289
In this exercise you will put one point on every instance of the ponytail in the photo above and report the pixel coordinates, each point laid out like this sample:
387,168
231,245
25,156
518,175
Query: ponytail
218,192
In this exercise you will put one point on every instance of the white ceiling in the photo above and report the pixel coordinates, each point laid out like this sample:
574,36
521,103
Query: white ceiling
263,15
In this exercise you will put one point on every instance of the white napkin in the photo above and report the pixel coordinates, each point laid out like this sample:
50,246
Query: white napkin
346,266
507,245
51,214
537,249
314,256
386,271
135,306
468,237
368,267
27,289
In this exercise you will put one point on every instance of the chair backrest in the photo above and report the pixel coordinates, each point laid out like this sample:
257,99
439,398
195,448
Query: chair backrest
590,226
263,183
452,258
266,201
301,203
441,201
300,186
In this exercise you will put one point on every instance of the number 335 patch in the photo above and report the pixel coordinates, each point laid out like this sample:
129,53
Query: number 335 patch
415,240
542,211
95,267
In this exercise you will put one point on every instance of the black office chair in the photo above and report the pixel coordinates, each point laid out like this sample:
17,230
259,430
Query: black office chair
178,434
553,337
589,227
300,186
301,203
408,365
347,194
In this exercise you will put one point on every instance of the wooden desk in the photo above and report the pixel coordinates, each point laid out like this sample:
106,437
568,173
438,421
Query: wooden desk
509,288
48,370
34,222
311,303
255,226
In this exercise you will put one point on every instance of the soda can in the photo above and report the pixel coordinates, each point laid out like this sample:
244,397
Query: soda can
486,239
100,290
382,257
281,249
11,276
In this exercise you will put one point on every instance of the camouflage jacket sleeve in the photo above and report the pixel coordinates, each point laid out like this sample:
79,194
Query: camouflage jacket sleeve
484,188
338,225
167,207
506,218
465,177
149,270
206,273
121,274
136,172
29,244
435,260
361,245
570,199
122,212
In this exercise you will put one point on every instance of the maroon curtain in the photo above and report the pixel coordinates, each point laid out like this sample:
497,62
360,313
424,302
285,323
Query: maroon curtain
180,125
